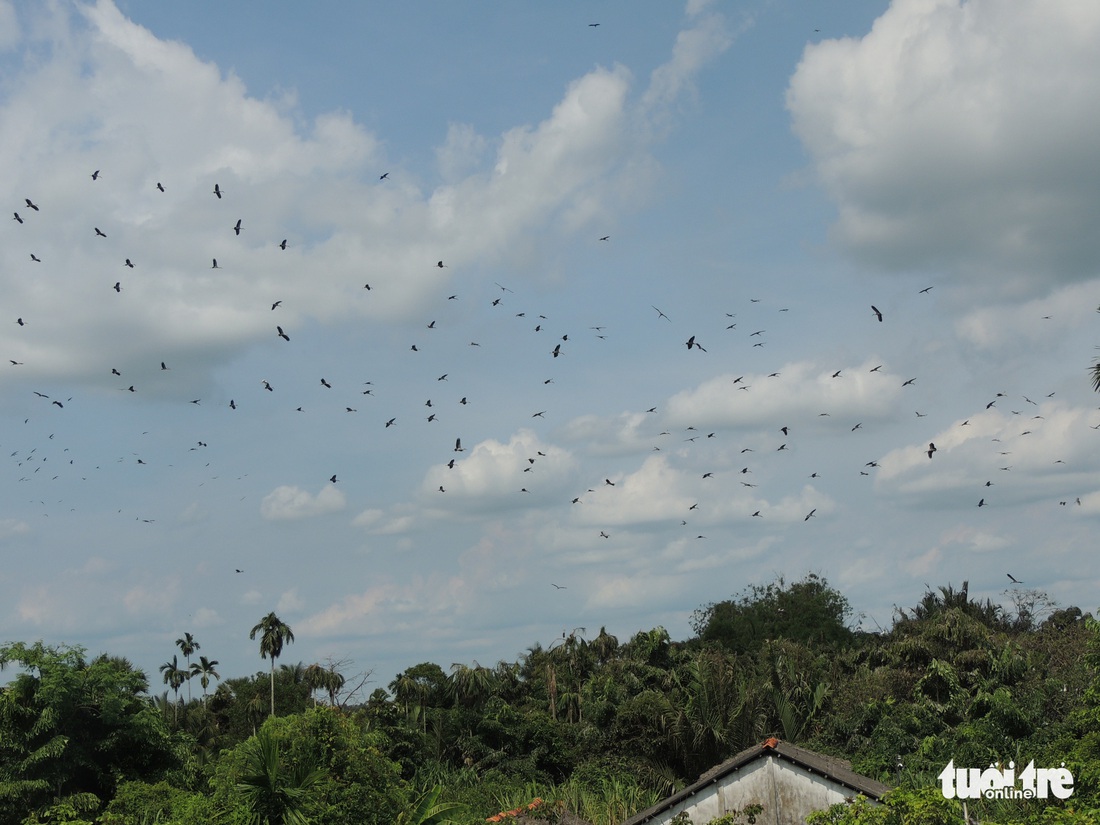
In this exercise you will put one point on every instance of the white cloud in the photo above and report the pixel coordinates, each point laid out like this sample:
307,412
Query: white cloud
289,502
290,601
961,135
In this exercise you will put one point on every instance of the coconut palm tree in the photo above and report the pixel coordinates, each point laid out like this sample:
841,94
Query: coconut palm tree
187,646
174,678
204,669
273,793
274,633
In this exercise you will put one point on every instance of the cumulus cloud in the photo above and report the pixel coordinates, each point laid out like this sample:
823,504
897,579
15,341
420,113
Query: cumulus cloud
110,97
289,502
753,400
491,474
961,136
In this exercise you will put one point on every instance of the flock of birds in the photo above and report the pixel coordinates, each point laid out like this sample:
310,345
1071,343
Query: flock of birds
556,346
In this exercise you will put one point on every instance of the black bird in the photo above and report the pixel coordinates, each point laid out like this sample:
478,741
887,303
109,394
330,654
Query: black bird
163,366
17,218
326,384
878,314
926,289
275,305
267,386
383,176
809,514
555,353
559,586
35,258
21,322
605,237
282,334
661,314
232,404
218,191
118,286
237,227
95,175
129,263
390,423
30,205
160,186
691,342
440,264
333,479
283,244
1014,579
907,383
215,266
458,445
99,232
931,448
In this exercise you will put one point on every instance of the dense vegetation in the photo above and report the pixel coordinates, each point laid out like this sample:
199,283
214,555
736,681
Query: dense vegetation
589,726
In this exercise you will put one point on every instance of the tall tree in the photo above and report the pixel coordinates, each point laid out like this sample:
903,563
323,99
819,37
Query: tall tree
187,646
274,633
204,669
174,678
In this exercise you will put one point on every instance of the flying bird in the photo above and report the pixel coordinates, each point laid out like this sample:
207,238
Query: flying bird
218,191
878,313
326,384
810,514
283,244
1014,579
559,586
95,175
383,176
99,232
661,314
931,448
35,258
237,227
129,263
458,445
163,366
276,304
215,266
17,218
282,334
160,186
333,478
30,205
118,286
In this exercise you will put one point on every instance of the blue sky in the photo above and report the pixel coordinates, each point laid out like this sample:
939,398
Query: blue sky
764,174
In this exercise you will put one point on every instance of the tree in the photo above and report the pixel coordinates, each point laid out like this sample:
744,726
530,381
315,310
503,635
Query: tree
427,810
274,633
71,730
187,646
174,678
204,669
807,611
273,792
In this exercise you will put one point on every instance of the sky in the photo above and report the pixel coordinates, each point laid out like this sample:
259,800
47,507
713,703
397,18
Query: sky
443,329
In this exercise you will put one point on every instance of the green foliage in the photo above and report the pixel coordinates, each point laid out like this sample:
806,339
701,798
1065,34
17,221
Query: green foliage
807,611
71,730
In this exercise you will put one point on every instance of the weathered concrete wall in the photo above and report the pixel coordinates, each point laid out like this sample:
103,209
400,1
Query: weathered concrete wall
787,792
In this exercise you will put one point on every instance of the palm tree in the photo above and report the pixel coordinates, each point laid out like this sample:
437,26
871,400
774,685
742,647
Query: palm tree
426,810
187,646
274,794
274,633
204,669
174,678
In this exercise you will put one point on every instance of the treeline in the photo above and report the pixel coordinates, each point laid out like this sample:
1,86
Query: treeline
591,727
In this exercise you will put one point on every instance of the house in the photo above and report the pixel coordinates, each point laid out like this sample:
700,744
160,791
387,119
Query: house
787,781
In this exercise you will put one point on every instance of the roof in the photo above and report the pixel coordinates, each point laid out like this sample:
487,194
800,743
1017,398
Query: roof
831,767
